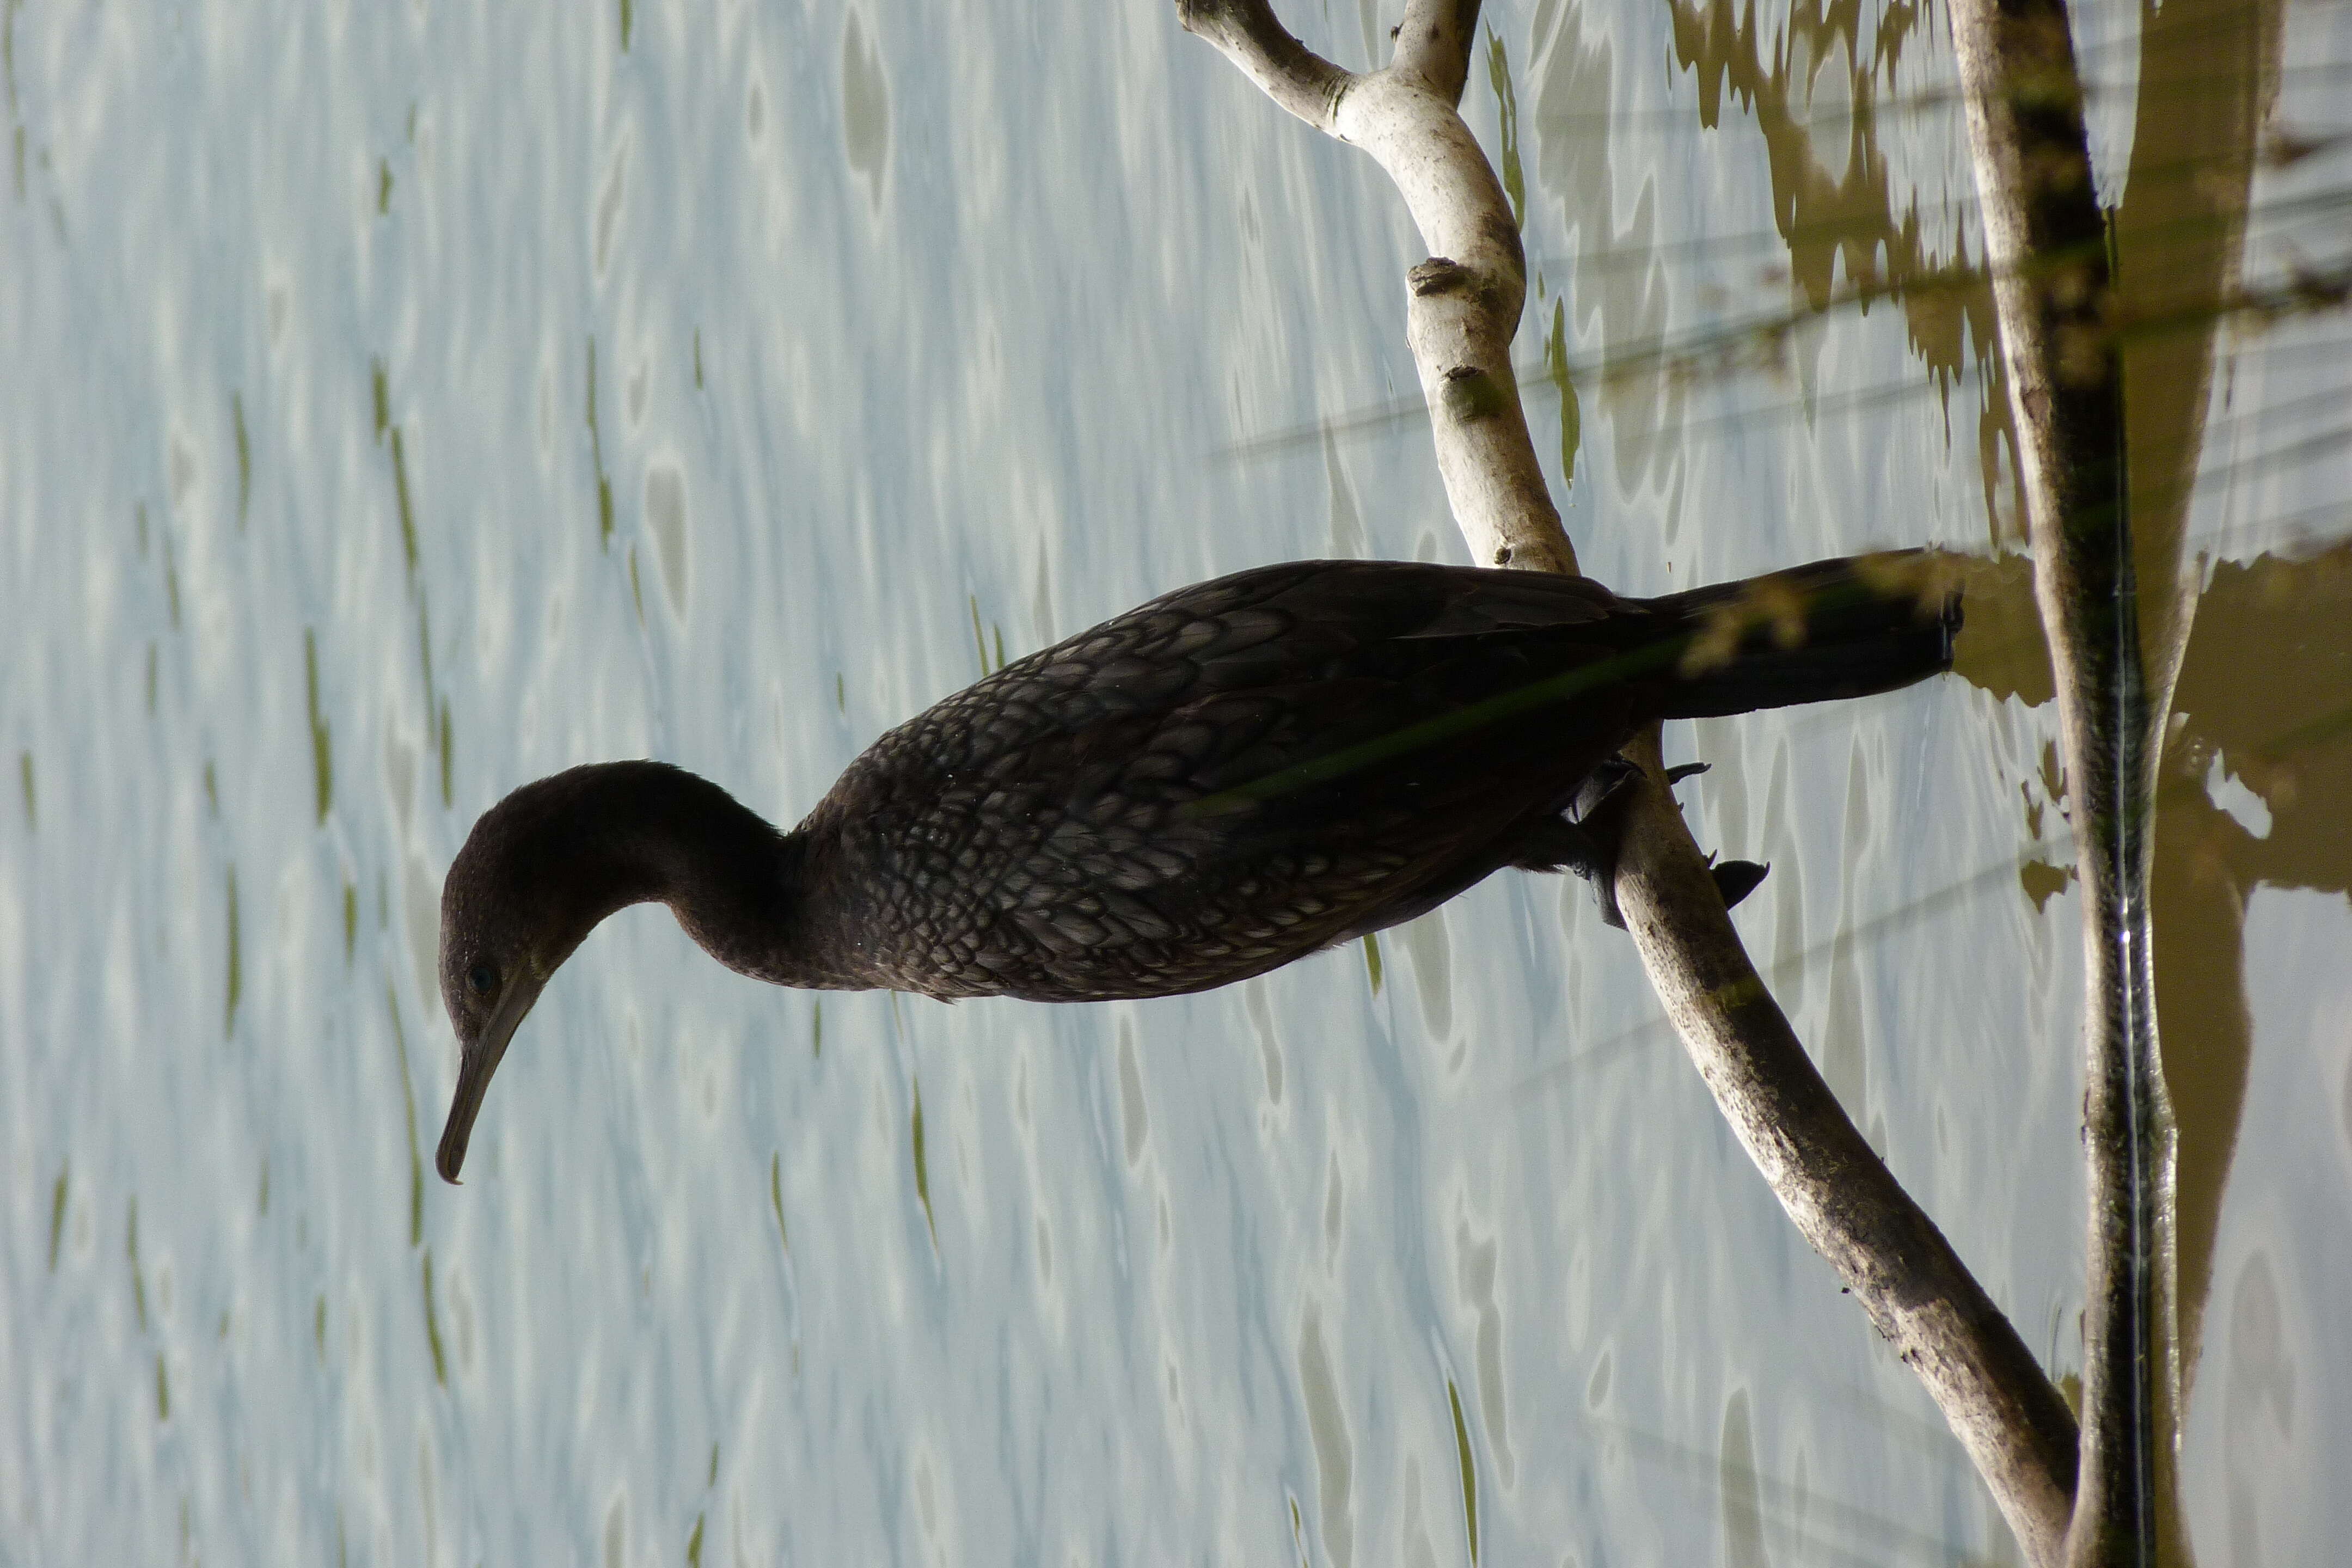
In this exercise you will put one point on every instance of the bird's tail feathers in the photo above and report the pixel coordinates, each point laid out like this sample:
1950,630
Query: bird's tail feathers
1845,627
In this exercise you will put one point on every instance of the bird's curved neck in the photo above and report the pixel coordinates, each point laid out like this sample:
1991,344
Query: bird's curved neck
647,833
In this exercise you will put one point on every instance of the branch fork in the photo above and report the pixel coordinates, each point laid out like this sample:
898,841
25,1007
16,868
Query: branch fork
1463,308
1463,304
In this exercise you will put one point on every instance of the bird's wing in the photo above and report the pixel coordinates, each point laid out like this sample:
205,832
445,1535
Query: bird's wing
1234,771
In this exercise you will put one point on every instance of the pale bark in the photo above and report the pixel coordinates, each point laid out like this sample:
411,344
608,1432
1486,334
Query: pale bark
1464,305
1464,308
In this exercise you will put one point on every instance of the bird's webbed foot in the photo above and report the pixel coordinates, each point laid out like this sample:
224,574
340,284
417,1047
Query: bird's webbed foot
1735,879
1585,837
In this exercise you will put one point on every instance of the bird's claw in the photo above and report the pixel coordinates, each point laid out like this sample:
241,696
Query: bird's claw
1594,820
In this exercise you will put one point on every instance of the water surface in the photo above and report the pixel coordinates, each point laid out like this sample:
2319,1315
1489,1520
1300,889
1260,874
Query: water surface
404,402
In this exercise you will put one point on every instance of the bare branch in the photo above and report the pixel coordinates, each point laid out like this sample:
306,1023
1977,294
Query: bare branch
1464,302
1432,45
1462,312
1896,1262
1246,33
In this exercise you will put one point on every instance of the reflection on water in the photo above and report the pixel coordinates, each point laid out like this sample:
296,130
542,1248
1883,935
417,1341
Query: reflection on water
2290,742
1743,1511
1807,84
857,353
865,108
2259,1413
1624,306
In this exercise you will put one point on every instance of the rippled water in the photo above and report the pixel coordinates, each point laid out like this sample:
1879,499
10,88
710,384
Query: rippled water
403,401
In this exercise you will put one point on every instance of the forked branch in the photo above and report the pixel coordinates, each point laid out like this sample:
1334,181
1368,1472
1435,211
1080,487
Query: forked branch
1464,305
1463,310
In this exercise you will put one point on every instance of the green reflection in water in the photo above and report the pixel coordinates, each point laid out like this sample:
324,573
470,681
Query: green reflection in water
637,589
162,1390
1372,959
1736,1486
32,807
388,432
1571,417
244,459
626,22
1507,104
816,1030
922,1172
138,1275
57,1213
693,1545
407,510
322,760
425,648
865,108
351,920
979,640
433,1326
775,1197
697,359
408,1100
318,1329
212,789
1814,1525
172,579
236,967
382,187
1469,1469
596,453
150,676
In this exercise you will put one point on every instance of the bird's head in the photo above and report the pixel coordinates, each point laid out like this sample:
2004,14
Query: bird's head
536,875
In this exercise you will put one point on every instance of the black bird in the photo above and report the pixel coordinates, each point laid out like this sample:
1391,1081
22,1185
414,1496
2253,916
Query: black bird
1231,776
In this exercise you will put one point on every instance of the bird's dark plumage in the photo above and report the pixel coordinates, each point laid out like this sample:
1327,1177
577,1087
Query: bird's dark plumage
1228,777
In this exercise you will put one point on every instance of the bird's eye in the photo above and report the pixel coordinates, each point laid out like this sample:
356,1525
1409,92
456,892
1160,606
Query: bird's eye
483,979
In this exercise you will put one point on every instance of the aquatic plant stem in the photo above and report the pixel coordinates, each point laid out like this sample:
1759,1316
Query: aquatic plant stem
2046,242
1463,311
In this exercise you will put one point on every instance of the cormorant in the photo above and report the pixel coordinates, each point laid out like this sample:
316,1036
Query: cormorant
1231,776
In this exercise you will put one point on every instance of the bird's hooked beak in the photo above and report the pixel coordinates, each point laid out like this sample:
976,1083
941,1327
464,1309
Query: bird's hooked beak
479,1060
